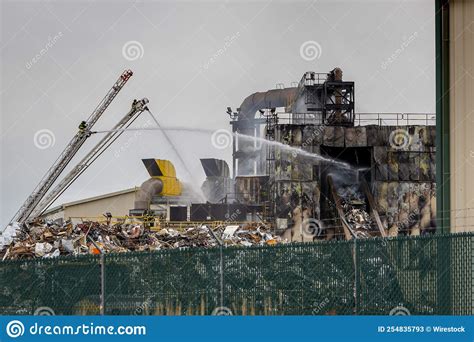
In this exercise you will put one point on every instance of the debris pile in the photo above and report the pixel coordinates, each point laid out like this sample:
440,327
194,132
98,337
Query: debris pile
249,235
359,218
53,239
355,211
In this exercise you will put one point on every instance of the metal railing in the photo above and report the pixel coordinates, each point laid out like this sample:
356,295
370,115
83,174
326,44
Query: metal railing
395,119
363,119
156,223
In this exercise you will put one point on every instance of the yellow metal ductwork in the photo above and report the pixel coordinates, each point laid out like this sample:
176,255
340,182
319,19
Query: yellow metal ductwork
164,170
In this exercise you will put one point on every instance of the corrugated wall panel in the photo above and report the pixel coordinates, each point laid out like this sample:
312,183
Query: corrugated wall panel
462,114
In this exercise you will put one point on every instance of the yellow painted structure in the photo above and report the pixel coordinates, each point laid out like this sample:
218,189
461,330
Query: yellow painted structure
165,171
171,184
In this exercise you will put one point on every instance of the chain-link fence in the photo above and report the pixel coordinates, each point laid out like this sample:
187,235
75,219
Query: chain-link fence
405,275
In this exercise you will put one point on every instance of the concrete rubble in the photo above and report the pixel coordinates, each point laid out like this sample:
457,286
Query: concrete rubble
52,239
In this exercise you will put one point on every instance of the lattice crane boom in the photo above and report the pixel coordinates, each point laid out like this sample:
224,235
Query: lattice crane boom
71,149
138,107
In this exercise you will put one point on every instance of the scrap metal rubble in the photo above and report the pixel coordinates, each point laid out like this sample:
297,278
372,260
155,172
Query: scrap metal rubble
359,218
354,208
53,239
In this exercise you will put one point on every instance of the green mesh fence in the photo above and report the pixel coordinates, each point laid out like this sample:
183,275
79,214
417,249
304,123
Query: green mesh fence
62,286
171,282
405,275
300,279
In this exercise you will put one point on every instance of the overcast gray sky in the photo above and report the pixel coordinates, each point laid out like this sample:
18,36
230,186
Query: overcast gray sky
194,59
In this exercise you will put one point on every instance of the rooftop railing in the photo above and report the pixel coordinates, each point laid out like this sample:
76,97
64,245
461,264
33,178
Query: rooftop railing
363,119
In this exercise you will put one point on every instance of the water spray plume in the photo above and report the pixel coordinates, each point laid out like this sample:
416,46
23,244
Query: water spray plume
295,150
292,149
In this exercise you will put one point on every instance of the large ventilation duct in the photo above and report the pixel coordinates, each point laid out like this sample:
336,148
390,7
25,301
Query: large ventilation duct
218,185
148,189
247,125
215,167
163,182
264,100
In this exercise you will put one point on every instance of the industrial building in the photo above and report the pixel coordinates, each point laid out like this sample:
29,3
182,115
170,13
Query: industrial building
117,203
294,148
306,166
454,113
304,162
335,156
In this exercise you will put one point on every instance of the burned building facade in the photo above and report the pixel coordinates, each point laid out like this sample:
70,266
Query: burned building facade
306,163
303,157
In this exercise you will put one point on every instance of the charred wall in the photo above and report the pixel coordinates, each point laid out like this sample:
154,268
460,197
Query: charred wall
397,162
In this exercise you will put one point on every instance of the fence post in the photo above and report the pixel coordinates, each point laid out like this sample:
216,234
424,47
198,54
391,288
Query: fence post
443,276
102,275
221,276
102,284
356,278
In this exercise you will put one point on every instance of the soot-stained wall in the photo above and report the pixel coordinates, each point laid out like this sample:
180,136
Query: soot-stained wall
397,162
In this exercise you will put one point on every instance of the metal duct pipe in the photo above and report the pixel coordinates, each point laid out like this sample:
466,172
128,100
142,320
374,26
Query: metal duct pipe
275,98
264,100
246,122
148,189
